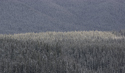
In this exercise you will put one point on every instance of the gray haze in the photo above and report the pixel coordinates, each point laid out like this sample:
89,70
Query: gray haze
20,16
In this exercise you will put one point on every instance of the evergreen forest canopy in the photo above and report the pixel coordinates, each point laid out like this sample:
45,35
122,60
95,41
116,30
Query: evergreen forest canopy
21,16
63,52
64,36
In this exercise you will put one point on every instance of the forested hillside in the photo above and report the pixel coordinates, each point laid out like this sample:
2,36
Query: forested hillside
20,16
63,52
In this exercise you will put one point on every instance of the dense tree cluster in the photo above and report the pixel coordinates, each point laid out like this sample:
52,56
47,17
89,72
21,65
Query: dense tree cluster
120,32
62,56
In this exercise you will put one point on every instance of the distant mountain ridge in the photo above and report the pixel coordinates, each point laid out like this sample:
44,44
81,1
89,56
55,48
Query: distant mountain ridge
20,16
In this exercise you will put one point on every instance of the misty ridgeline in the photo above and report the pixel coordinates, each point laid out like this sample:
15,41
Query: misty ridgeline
63,52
